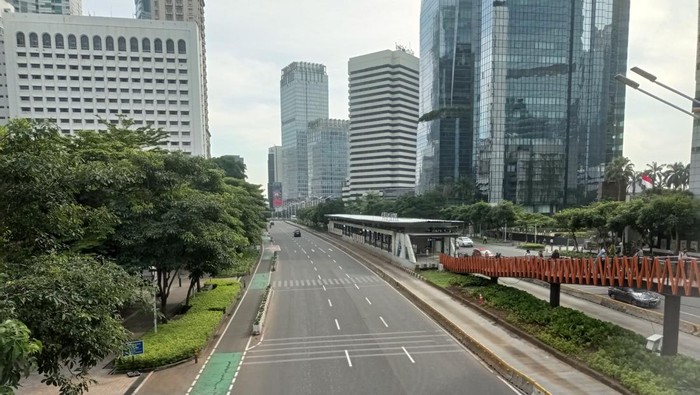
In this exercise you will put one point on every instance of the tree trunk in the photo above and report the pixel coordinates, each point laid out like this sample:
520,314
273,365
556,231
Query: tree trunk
189,292
165,281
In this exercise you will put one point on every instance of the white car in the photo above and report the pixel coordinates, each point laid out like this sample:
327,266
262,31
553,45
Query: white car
464,241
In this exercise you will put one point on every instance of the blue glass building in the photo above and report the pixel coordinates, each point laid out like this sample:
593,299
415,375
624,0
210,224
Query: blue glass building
548,114
449,43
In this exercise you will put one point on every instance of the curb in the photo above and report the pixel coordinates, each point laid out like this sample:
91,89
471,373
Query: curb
512,375
634,311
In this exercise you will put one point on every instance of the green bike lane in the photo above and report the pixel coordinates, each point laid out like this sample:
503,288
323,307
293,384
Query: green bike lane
221,367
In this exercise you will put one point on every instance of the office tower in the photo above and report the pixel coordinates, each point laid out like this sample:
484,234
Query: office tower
328,157
449,45
550,114
304,98
695,144
383,120
181,10
274,176
77,69
60,7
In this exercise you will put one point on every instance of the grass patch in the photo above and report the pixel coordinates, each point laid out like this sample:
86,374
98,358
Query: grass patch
181,338
605,347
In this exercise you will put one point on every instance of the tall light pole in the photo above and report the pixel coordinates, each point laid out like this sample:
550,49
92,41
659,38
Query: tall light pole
635,85
154,271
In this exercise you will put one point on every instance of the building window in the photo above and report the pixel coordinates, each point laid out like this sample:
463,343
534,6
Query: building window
72,42
146,45
84,43
97,43
158,44
170,46
121,44
109,43
46,40
33,40
59,41
134,44
20,40
181,47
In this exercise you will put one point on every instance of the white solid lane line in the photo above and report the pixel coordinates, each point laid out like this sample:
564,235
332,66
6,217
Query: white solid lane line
407,354
337,325
329,303
348,357
384,322
368,301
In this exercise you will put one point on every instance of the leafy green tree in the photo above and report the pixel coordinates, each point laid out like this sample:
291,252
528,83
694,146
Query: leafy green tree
69,303
479,214
17,353
676,213
619,171
573,220
233,166
503,214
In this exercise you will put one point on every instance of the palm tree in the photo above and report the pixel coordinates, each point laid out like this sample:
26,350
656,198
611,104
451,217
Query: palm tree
677,175
655,172
619,171
634,180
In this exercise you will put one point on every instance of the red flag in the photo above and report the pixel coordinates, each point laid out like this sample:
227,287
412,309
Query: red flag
646,181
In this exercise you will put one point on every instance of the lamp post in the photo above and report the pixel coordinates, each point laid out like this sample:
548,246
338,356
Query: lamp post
154,271
635,85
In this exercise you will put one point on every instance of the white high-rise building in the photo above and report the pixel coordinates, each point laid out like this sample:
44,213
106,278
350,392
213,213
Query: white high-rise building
304,98
76,70
328,157
181,10
383,122
274,176
60,7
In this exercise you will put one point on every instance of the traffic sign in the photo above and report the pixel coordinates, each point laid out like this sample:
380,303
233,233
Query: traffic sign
134,348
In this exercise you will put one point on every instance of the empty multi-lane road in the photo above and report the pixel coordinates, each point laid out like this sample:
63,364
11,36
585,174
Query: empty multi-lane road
336,328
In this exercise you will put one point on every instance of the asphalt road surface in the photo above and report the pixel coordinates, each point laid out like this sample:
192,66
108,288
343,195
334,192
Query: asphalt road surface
334,327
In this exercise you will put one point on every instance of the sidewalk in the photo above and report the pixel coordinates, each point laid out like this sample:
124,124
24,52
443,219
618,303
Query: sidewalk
136,321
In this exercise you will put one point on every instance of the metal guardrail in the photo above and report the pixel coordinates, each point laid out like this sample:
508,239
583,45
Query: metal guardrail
655,274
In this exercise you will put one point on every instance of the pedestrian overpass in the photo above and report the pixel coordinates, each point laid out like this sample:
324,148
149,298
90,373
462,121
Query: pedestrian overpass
673,280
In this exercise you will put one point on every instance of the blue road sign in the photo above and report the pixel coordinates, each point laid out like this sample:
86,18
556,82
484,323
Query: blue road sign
134,348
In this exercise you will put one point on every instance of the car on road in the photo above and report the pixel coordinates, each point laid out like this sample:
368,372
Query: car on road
464,241
481,251
637,297
297,233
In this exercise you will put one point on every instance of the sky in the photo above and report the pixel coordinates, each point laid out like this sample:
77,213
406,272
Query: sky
249,42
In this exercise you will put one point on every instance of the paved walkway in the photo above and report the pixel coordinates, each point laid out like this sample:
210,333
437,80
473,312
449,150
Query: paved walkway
138,322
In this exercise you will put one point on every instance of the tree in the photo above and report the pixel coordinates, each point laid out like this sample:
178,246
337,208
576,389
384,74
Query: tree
655,172
69,303
676,213
677,176
619,171
17,353
503,214
233,166
635,179
573,220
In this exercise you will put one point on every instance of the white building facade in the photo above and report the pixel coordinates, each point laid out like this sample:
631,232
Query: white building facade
328,157
181,10
76,70
383,123
60,7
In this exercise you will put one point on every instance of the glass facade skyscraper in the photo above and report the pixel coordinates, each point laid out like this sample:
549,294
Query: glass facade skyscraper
449,43
304,98
547,113
550,113
59,7
327,157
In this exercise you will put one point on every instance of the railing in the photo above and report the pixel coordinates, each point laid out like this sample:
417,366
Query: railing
654,274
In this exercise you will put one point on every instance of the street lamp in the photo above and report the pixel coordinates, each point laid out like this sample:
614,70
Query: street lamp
154,271
635,85
651,77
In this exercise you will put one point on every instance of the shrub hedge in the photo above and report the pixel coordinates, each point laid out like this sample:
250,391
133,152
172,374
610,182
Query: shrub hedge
531,246
605,347
181,338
